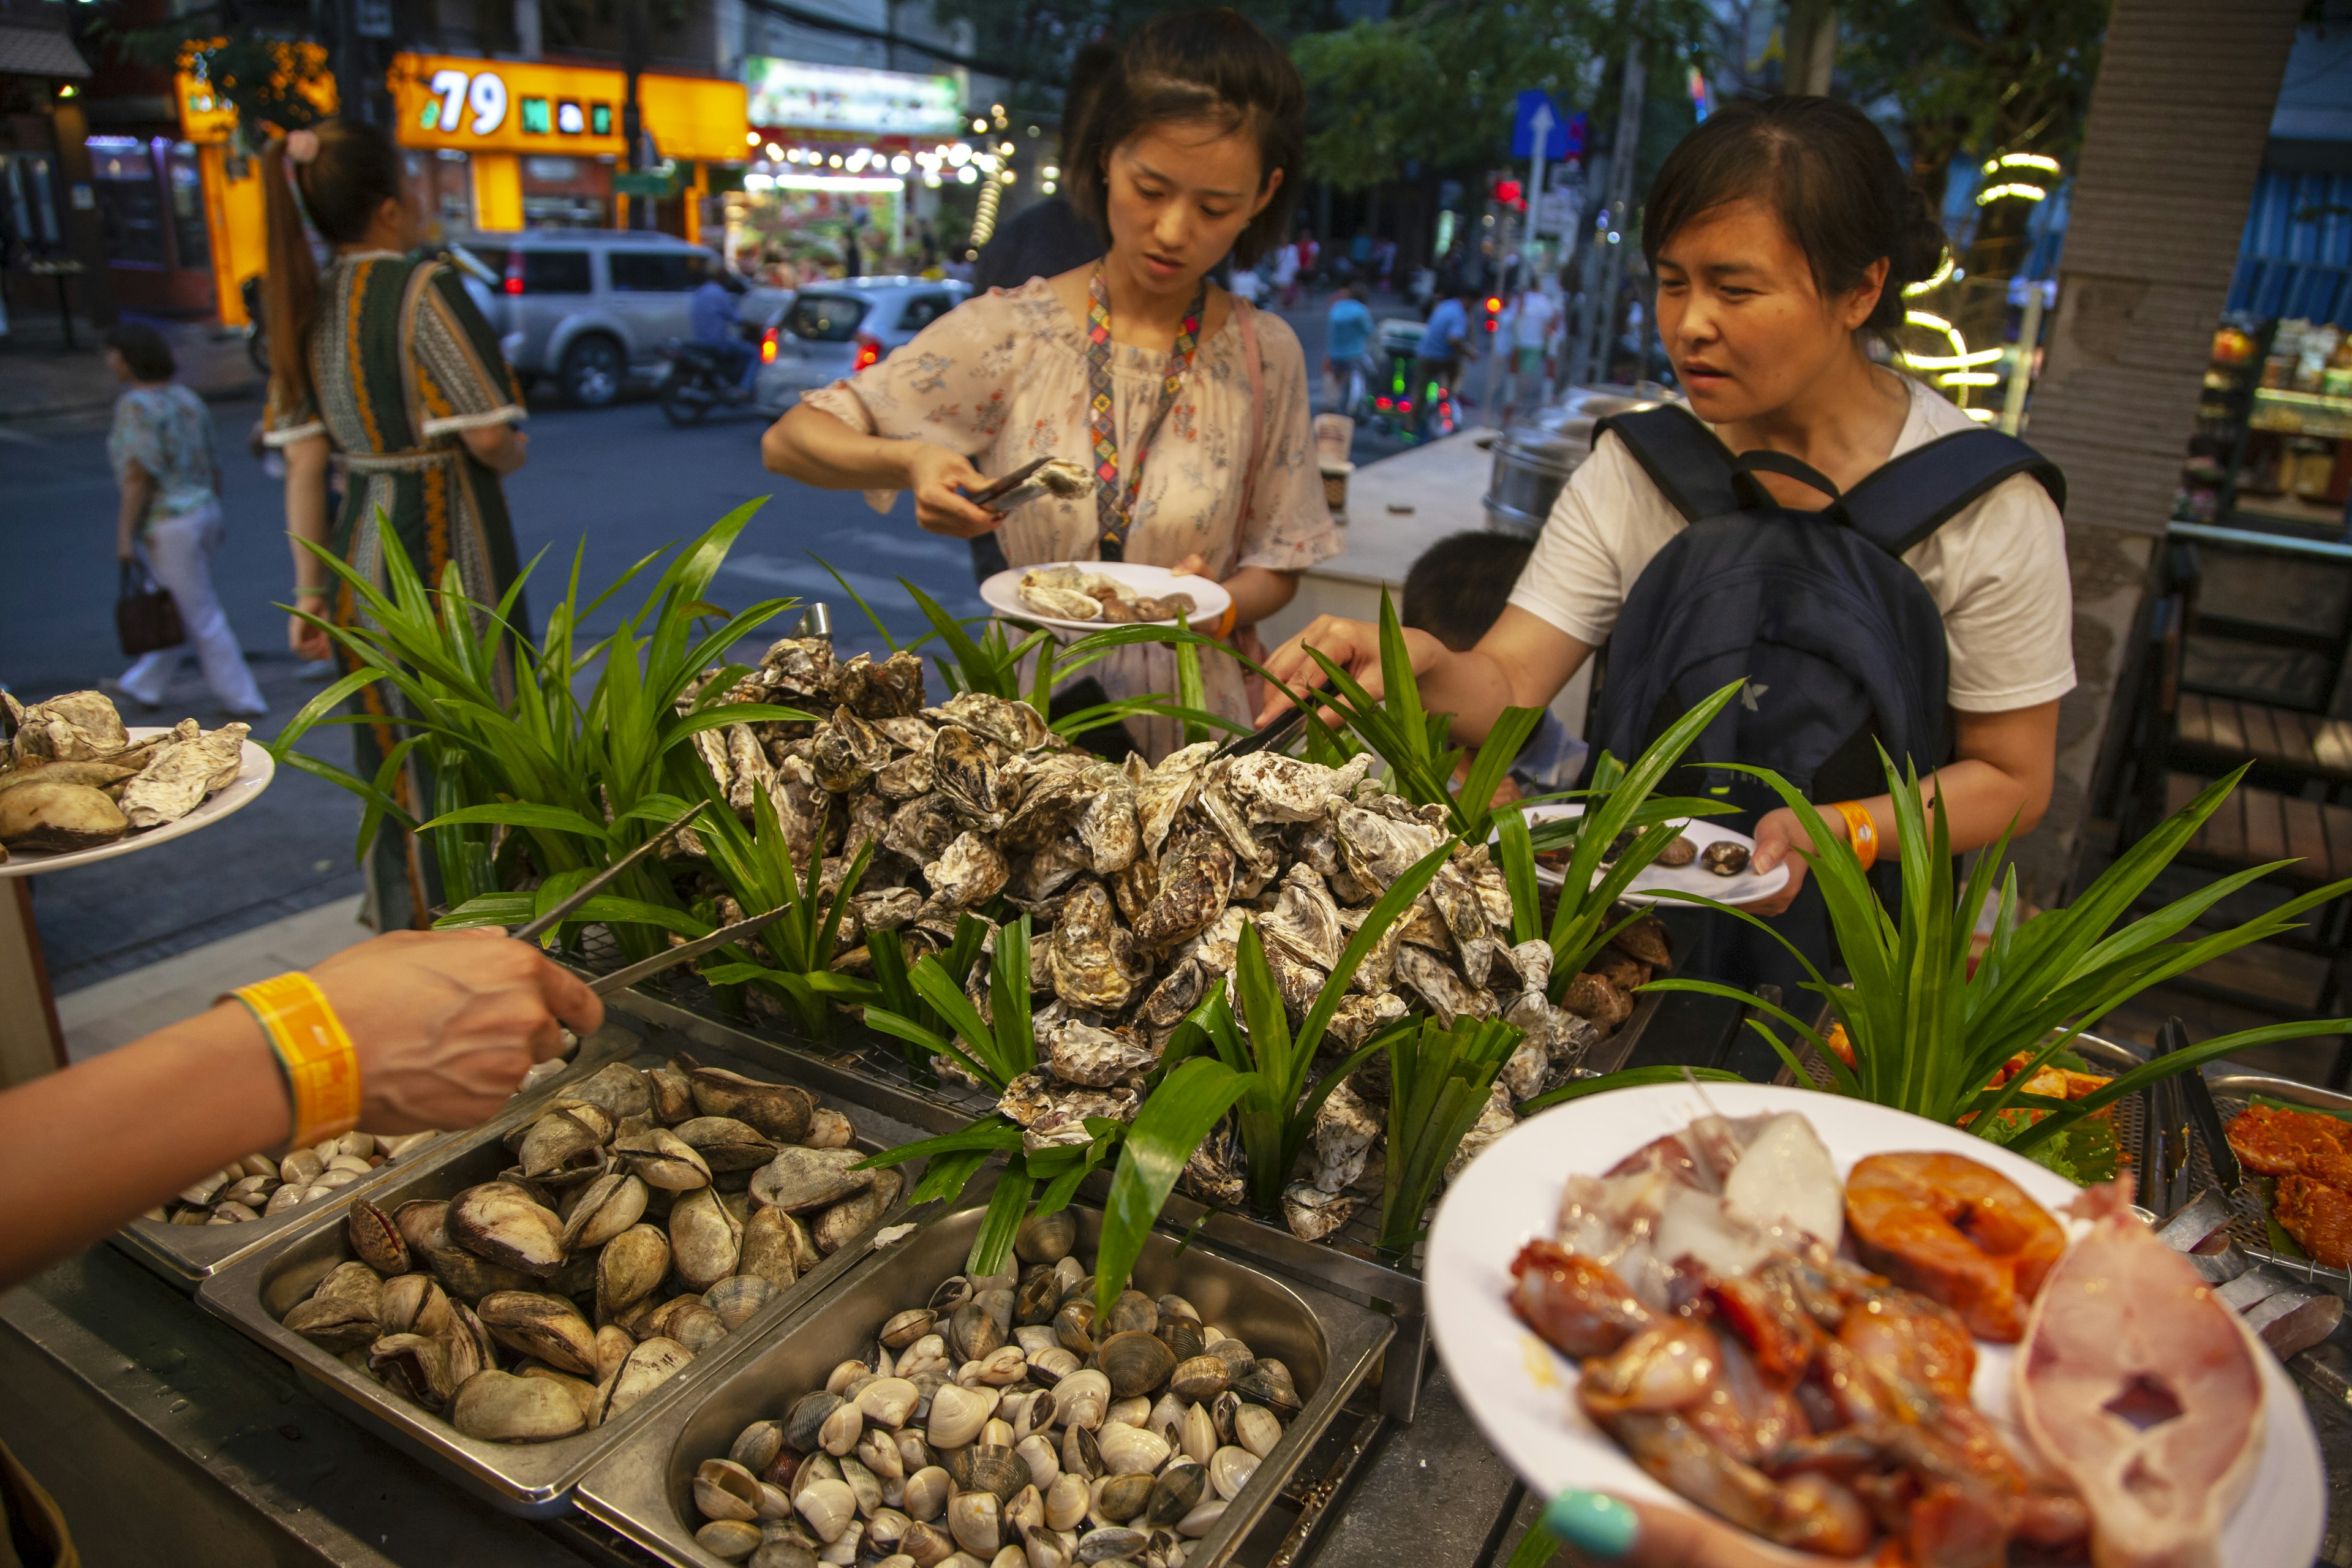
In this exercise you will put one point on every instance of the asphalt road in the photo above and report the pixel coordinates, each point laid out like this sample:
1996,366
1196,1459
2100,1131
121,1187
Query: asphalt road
618,483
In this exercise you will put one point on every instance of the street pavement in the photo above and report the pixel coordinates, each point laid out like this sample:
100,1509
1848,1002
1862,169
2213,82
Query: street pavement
614,483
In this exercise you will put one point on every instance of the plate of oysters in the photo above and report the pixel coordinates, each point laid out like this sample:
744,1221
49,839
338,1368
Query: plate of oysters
1087,595
78,785
1702,858
1858,1334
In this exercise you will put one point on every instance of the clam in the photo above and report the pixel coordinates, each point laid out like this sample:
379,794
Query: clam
413,1303
1132,1312
804,1425
602,1209
905,1328
694,1325
1038,1298
1183,1337
499,1223
414,1366
617,1089
957,1415
661,1159
501,1408
649,1364
995,1468
927,1544
1067,1498
1131,1450
799,1179
974,1518
926,1493
1724,857
829,1506
1050,1365
1136,1363
842,1224
863,1484
1175,1492
1111,1544
777,1110
613,1344
565,1143
1202,1519
544,1326
1257,1429
1236,1356
706,1239
1037,1452
729,1540
1269,1385
725,1490
343,1314
757,1446
1198,1435
1122,1497
1083,1396
888,1402
973,1331
828,1129
1046,1238
737,1299
630,1266
673,1095
375,1239
1230,1469
771,1249
1076,1325
878,1450
725,1144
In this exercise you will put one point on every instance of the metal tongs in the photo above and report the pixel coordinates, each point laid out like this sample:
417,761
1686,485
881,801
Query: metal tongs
1273,736
602,879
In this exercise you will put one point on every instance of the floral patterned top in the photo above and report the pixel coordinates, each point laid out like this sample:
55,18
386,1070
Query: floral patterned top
1003,379
167,431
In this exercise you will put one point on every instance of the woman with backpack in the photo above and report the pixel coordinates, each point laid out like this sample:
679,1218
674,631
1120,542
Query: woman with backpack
1190,407
1928,609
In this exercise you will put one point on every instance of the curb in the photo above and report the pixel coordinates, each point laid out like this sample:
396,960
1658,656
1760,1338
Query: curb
236,394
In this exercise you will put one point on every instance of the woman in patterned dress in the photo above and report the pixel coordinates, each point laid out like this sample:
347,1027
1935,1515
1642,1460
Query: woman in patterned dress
386,364
1184,154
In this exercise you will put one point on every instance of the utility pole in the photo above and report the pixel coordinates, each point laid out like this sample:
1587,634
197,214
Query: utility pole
1591,359
1809,48
636,46
1542,122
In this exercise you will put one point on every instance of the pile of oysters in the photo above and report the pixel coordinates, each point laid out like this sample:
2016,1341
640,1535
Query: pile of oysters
649,1213
1005,1424
72,778
1137,880
259,1187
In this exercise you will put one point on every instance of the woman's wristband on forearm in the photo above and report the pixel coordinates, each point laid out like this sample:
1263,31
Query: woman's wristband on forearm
1224,623
320,1066
1862,830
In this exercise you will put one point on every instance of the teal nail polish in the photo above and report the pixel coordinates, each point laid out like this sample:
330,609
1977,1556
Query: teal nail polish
1592,1522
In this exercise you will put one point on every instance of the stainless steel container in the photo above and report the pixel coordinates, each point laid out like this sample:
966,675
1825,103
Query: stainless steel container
869,1073
186,1255
256,1292
643,1487
1534,457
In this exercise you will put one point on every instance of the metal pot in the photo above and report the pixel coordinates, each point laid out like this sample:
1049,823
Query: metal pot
1533,458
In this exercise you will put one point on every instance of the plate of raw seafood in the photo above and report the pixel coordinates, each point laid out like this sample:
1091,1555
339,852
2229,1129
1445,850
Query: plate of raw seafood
1089,596
78,786
1703,858
1859,1334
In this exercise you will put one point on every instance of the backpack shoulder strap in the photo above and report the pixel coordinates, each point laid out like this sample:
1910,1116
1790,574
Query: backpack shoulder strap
1907,499
1690,469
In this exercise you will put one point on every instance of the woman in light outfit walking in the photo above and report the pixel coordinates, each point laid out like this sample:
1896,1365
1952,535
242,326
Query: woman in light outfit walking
162,450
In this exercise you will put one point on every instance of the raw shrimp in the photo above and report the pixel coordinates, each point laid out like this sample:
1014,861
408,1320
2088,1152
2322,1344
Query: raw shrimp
1957,1232
1578,1306
1807,1512
1664,1367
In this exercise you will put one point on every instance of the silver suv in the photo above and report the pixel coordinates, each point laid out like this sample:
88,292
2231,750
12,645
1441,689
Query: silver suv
830,329
590,308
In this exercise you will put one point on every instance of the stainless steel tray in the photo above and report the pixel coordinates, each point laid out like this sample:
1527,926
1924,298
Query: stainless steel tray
642,1488
255,1292
2232,1092
186,1255
864,1069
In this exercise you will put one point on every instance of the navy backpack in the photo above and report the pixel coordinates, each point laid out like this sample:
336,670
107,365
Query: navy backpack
1841,644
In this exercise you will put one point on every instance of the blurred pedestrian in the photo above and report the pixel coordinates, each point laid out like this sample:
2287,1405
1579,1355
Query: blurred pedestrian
1446,343
1347,334
1531,319
162,449
1189,407
384,361
710,316
1285,274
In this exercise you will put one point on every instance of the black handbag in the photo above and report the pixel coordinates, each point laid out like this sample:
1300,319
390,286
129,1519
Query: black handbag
145,619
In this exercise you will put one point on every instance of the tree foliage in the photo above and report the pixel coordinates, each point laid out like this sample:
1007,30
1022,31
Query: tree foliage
1435,82
1974,77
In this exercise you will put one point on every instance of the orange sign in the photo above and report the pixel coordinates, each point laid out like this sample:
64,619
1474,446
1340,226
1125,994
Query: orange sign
523,106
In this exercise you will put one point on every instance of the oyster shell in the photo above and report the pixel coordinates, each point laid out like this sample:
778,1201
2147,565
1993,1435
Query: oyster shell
965,776
1063,604
1276,788
187,767
1312,1214
1360,1017
1343,1136
1165,791
892,689
846,751
921,829
970,870
1435,982
76,727
1497,1119
1082,1053
1094,962
60,816
1377,849
1107,828
1007,722
1305,923
1195,881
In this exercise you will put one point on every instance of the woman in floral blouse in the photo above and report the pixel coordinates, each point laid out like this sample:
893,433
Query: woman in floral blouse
1190,407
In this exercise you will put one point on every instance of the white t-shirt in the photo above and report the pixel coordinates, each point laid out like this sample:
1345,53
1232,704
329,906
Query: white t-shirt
1532,327
1996,571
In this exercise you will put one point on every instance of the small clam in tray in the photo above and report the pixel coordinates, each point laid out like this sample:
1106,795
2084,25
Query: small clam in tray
644,1487
186,1255
256,1292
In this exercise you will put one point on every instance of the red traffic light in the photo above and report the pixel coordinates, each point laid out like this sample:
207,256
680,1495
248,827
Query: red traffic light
1506,190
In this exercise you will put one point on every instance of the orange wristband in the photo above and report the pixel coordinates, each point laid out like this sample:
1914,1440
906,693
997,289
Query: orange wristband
1225,622
321,1069
1861,829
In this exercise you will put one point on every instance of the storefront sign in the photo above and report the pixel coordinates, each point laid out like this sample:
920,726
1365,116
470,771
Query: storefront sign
517,106
798,95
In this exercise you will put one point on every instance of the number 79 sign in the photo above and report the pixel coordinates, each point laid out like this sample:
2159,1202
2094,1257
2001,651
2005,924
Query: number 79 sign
483,93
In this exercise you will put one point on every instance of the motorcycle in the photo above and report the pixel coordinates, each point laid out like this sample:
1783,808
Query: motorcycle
700,379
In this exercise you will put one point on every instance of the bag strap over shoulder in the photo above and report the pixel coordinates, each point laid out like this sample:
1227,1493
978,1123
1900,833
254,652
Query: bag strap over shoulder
1690,469
1246,315
1908,498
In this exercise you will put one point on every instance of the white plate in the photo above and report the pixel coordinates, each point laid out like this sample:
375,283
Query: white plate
253,775
1522,1392
1002,593
1746,888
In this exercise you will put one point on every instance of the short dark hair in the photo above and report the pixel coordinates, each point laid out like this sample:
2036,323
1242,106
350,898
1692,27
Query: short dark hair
1197,65
1826,172
1457,589
142,347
